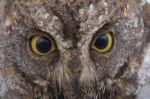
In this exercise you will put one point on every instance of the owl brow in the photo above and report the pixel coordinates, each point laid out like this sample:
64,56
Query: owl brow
114,13
110,20
104,28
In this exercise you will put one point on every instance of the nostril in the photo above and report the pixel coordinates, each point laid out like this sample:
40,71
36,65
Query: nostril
79,72
75,69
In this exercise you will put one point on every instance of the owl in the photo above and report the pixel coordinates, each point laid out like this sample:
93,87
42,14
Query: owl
71,49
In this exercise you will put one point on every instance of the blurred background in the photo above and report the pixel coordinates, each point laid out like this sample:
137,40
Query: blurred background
145,74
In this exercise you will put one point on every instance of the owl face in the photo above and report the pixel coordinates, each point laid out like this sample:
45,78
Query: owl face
75,44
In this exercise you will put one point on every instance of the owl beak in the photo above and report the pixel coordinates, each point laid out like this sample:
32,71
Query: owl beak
76,72
75,69
76,86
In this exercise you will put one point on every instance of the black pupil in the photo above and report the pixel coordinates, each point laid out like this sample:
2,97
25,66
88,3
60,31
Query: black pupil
43,44
101,42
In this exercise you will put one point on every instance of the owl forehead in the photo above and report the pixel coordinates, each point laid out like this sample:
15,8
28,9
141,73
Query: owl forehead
69,17
68,20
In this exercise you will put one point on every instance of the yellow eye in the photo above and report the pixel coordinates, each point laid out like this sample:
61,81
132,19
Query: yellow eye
42,45
103,43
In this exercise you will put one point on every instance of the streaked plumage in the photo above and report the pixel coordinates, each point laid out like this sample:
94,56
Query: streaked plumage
73,69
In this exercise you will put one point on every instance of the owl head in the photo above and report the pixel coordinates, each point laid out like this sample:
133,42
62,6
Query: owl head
73,47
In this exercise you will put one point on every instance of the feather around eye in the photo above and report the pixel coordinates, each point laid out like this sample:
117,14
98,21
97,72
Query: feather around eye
42,45
103,43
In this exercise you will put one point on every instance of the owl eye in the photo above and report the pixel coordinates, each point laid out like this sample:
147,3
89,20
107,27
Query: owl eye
42,45
103,43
